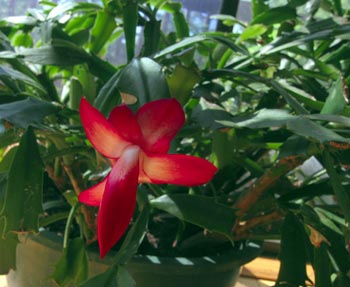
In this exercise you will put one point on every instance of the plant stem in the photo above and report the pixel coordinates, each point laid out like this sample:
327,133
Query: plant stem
88,214
249,197
68,225
242,231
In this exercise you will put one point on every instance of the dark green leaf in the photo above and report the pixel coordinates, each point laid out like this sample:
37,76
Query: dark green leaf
190,41
322,266
8,244
301,95
106,279
211,116
3,184
345,121
336,101
72,268
8,137
15,75
264,118
292,101
152,35
144,79
6,163
293,254
200,210
60,53
25,112
23,199
309,129
339,190
108,97
294,145
337,245
113,277
135,234
130,23
342,280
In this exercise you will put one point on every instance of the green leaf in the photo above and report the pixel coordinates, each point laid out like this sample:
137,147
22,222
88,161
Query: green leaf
339,190
23,199
115,276
342,280
336,101
309,129
130,24
152,34
342,120
337,247
252,32
301,95
264,118
60,53
210,115
144,79
136,233
72,268
101,31
227,20
293,254
8,247
15,75
25,112
322,266
108,97
8,137
199,210
78,24
181,83
22,39
275,16
5,165
190,41
106,279
222,148
181,25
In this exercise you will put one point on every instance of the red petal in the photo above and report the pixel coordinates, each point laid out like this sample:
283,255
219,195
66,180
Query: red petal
124,121
176,169
103,136
118,200
93,195
160,121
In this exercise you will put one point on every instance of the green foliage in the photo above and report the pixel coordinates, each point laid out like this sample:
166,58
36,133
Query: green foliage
293,254
259,102
73,266
199,210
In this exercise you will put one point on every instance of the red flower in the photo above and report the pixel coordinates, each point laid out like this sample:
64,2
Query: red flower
137,146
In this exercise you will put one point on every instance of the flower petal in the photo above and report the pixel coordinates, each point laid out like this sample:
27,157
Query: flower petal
103,136
93,195
176,169
124,121
119,199
160,121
